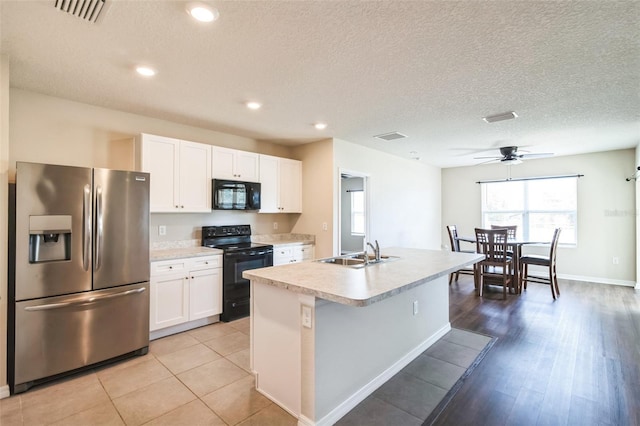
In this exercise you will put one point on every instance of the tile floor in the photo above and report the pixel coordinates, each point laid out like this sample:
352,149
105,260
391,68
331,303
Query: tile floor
201,377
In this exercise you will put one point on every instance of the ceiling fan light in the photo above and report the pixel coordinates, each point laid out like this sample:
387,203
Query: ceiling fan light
500,117
511,161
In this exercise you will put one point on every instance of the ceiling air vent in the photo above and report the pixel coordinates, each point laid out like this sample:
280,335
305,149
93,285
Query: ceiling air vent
391,136
89,10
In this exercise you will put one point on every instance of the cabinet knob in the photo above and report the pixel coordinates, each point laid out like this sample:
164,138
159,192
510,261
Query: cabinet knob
182,207
170,267
192,278
176,207
206,263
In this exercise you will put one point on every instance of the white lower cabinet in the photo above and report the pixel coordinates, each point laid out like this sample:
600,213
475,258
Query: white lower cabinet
292,254
184,290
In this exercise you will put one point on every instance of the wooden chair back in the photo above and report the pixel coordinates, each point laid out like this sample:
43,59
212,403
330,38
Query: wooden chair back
512,230
493,244
554,248
453,237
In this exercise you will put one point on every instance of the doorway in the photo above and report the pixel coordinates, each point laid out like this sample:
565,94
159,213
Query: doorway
354,212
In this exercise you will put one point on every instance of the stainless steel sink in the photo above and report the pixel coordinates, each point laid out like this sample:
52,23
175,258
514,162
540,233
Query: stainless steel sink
356,260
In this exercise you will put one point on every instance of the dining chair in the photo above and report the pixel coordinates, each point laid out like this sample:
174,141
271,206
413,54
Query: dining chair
498,265
511,233
549,262
511,229
455,246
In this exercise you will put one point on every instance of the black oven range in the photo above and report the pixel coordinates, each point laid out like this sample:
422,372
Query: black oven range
240,255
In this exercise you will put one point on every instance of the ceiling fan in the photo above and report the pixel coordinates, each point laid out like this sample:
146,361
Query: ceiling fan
510,156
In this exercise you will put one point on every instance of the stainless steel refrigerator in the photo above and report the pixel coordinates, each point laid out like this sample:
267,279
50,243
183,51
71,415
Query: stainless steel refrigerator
78,270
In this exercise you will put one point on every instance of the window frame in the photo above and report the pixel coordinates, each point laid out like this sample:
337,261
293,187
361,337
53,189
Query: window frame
361,213
526,212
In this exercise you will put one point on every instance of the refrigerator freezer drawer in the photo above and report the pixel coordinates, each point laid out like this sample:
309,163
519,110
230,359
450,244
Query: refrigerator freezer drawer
58,334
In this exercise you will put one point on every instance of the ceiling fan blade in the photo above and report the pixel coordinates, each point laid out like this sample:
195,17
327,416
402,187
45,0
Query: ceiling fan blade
483,158
489,161
536,155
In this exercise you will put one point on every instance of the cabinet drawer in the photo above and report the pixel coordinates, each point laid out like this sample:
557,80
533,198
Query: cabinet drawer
206,262
165,267
307,252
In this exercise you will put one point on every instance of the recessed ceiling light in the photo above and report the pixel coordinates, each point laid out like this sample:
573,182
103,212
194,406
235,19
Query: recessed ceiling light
500,117
202,12
253,105
320,126
145,71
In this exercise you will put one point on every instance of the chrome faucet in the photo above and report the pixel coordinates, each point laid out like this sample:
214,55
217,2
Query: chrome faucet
376,251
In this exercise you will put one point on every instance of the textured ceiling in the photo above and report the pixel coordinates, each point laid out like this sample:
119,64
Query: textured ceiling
428,69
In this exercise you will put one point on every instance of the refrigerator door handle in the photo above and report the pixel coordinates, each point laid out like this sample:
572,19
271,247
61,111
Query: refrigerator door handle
99,228
86,227
83,301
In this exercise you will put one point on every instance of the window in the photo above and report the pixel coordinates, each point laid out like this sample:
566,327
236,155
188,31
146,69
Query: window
537,206
357,213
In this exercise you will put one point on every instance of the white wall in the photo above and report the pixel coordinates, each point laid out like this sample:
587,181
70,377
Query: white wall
404,196
606,206
4,179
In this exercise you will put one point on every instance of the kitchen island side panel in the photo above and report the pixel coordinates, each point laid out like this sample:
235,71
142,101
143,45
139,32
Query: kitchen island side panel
319,374
357,349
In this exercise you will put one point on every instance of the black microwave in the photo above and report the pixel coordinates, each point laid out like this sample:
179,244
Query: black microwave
235,195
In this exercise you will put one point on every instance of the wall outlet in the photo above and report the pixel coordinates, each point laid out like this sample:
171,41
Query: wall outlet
306,316
325,226
616,261
415,307
162,230
275,225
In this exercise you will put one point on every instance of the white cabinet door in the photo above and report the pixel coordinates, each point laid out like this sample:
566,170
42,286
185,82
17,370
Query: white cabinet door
195,177
205,293
169,301
302,253
290,186
282,255
281,180
269,179
222,163
160,158
180,174
246,166
233,164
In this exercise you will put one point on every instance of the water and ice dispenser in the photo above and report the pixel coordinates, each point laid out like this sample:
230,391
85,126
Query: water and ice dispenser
49,238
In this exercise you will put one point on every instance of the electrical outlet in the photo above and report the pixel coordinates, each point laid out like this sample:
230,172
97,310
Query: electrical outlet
162,230
275,225
325,226
415,307
306,316
616,261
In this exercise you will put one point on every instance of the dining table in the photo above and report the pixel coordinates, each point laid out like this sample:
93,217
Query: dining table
515,244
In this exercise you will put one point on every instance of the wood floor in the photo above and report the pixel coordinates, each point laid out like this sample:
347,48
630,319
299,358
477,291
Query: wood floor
575,361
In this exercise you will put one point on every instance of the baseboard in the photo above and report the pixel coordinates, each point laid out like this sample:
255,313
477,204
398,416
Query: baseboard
4,392
599,280
360,395
164,332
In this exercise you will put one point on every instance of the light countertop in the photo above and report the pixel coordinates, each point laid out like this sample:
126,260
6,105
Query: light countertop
281,240
182,252
364,286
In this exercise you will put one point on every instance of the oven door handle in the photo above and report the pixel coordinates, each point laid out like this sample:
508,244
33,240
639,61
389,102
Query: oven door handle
247,253
241,303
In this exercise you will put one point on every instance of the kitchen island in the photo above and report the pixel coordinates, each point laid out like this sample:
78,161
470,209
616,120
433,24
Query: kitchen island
325,336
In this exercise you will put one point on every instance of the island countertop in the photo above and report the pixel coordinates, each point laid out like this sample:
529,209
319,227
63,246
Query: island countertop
367,285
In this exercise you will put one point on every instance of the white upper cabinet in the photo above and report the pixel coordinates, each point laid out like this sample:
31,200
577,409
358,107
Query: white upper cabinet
180,174
281,180
232,164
